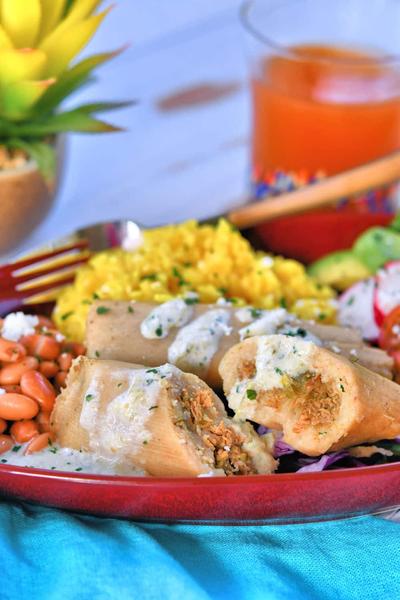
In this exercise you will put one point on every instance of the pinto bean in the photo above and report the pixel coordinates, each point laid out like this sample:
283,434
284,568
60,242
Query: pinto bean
23,431
43,346
11,374
6,443
11,351
38,443
15,407
37,386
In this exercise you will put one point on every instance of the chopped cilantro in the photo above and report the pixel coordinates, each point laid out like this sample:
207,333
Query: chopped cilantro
350,301
251,394
278,370
102,310
89,397
150,277
97,354
283,303
145,442
119,385
53,450
322,317
16,448
96,296
130,309
190,301
301,332
255,313
78,469
341,387
159,331
151,371
3,460
66,315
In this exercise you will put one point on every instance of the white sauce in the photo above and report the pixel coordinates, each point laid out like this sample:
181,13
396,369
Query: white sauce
163,318
15,325
267,324
277,355
196,344
120,432
301,333
55,458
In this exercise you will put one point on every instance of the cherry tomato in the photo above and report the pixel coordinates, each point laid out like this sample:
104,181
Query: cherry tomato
389,337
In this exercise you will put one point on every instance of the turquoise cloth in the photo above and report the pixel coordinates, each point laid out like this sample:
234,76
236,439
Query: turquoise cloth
49,554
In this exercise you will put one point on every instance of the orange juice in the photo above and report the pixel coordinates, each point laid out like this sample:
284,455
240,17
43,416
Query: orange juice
324,109
310,114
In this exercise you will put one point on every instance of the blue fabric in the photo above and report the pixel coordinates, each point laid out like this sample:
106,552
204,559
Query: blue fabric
49,554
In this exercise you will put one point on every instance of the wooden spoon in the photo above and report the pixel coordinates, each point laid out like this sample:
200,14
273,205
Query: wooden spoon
318,195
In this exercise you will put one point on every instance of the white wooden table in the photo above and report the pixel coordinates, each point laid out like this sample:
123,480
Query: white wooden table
171,163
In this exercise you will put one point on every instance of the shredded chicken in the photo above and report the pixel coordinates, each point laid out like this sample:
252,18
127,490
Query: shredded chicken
225,443
315,401
246,369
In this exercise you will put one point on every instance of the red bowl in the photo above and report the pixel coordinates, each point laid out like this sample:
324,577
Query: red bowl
325,232
282,498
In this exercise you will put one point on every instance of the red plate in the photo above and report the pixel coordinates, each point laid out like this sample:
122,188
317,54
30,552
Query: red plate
271,498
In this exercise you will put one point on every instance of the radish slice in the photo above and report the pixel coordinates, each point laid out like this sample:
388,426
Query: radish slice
387,293
356,308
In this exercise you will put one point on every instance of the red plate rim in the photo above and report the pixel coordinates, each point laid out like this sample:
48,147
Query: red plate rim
165,482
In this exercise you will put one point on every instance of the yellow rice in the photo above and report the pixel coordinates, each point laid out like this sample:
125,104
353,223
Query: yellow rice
215,262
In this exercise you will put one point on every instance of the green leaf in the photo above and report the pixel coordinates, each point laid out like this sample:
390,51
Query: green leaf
71,80
69,121
43,154
97,107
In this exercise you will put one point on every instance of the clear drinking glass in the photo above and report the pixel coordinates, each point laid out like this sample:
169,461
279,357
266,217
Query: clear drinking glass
325,87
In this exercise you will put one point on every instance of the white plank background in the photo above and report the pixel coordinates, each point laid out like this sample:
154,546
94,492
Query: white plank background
168,165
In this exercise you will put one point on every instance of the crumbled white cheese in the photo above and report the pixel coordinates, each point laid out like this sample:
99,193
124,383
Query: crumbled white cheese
267,261
2,391
17,324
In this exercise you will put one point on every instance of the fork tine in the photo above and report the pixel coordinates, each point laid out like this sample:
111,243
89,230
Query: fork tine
16,266
38,274
35,291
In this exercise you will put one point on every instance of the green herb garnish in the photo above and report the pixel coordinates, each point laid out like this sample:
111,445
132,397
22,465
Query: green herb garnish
102,310
130,309
78,469
89,397
159,331
152,371
150,277
66,315
190,301
255,313
97,354
278,370
283,303
251,394
16,448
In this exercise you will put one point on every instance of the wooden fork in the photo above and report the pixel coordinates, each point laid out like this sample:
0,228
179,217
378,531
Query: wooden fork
24,281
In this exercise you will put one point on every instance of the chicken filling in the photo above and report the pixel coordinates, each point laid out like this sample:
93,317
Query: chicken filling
226,445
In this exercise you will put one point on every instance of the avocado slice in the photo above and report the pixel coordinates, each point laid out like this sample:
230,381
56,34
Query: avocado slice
376,247
339,269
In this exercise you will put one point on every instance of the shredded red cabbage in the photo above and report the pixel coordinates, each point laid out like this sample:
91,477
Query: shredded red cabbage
319,464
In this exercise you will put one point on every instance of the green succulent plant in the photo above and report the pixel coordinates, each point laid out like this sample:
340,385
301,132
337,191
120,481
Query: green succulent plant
39,42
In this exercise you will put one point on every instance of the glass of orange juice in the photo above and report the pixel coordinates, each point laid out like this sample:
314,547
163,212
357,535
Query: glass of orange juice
325,88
